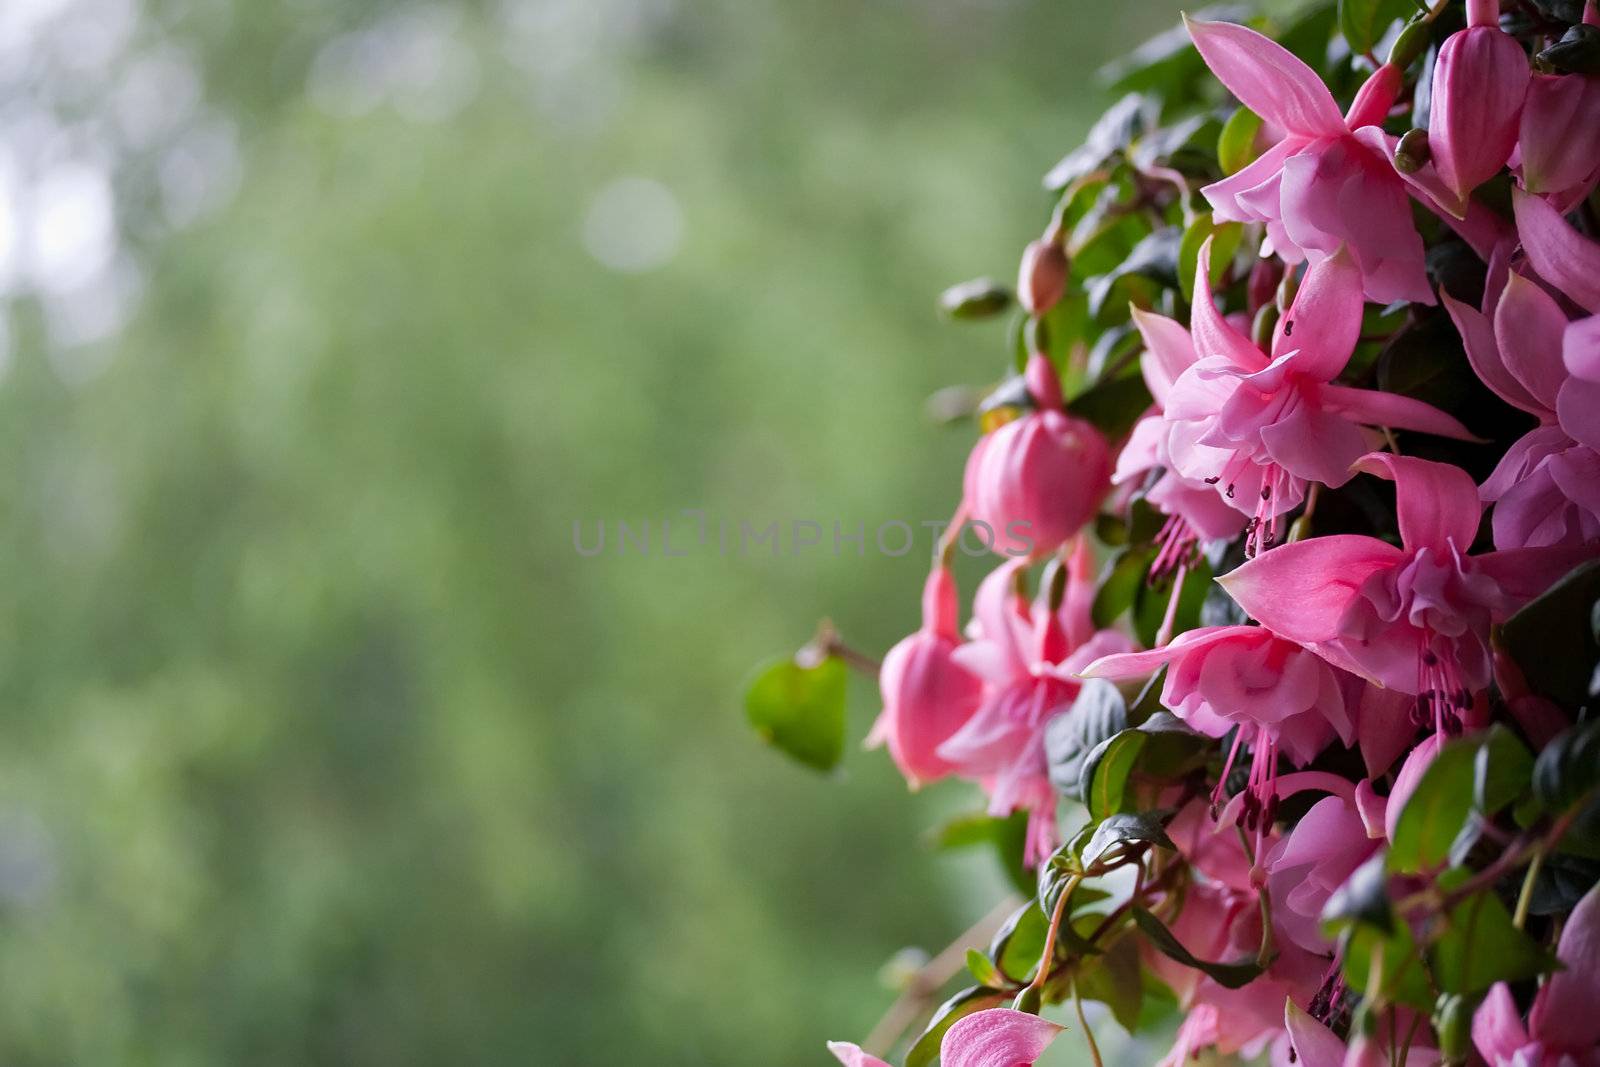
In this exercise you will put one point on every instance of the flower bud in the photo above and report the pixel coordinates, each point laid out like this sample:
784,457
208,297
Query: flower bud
1559,137
1479,82
1036,480
927,696
1578,51
1028,1000
1412,153
1042,278
1411,43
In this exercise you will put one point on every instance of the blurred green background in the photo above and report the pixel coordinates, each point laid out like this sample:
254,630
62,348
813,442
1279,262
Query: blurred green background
322,324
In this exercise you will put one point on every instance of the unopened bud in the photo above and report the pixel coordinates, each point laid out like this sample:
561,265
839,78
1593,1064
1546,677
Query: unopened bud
1412,42
1578,51
1042,278
1412,153
1452,1020
980,298
1028,1000
1263,327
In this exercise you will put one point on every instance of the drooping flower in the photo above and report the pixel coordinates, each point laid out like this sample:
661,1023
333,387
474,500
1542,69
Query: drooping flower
1329,183
1259,427
1036,480
1558,145
1414,618
997,1037
927,695
1028,656
1563,1027
1479,80
852,1055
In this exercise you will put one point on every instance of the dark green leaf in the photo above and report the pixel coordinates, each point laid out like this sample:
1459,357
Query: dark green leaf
925,1051
1114,979
1363,898
1152,598
1168,63
1400,972
980,298
1098,714
1552,640
1364,22
1117,831
1112,132
1228,975
1155,257
1562,882
1502,771
1434,814
1112,407
1479,946
1225,242
1565,776
1106,771
1017,946
800,710
1120,584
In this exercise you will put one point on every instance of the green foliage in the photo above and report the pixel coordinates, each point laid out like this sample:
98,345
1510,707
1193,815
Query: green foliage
1437,810
800,709
1098,714
1364,22
1230,975
1478,945
1553,637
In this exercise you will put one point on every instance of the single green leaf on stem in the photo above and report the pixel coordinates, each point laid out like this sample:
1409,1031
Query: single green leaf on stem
980,298
1236,147
1437,810
984,970
1106,770
1502,770
1116,833
1120,583
1098,714
925,1051
1115,979
1400,973
1017,945
800,709
1364,22
1228,975
1552,638
1479,945
1566,784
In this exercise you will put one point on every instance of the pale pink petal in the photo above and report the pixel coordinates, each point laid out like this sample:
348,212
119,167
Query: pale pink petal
997,1037
1212,334
1384,728
1578,410
852,1055
1268,78
1528,328
1138,664
1483,352
1300,590
1560,139
1315,444
1168,351
1438,503
1252,194
1314,1044
1564,1012
1373,408
1407,778
1562,256
1497,1028
1145,448
1077,604
1327,311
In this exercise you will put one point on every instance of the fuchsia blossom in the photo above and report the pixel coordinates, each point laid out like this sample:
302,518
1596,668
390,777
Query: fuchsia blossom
1029,657
1329,182
1479,80
997,1037
852,1055
1259,427
1315,1045
1338,834
1414,618
927,695
1036,480
1563,1028
1558,148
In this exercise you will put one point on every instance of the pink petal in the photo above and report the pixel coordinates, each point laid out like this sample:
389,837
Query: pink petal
1497,1028
1268,78
1407,778
1212,334
1578,410
1559,139
997,1037
1483,352
1383,727
1315,444
1168,349
1240,197
1524,573
1145,448
1562,256
1301,590
852,1056
1373,408
1528,327
1314,1044
1438,503
1564,1011
1137,664
1327,311
1580,349
1479,80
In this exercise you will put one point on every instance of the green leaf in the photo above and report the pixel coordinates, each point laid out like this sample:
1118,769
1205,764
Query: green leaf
1098,714
1364,22
1008,837
1113,406
1106,771
800,709
1363,898
1120,584
1228,975
1435,813
1480,946
1154,257
1502,770
1236,148
1565,776
1401,973
984,970
1017,945
980,298
1118,831
1553,641
1114,979
925,1051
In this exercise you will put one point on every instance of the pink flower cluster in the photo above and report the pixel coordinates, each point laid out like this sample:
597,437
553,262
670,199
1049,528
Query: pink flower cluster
1353,641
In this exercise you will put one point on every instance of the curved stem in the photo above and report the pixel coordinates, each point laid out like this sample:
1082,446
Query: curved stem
1049,954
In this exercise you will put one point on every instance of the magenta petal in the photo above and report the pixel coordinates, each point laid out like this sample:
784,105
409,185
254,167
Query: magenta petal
1528,327
1524,573
1315,444
997,1037
1560,140
1564,1010
1580,349
1240,197
1301,590
1169,349
1212,334
1578,410
1497,1028
1137,664
1562,256
1383,727
1438,503
1328,311
1268,78
1483,352
1373,408
852,1055
1479,80
1314,1044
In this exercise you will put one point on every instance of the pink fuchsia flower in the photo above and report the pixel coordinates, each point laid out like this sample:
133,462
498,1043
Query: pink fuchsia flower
1561,255
853,1055
1479,81
997,1037
1028,656
1558,146
1414,618
1259,427
1329,182
1563,1027
1314,1045
1338,834
1036,480
927,695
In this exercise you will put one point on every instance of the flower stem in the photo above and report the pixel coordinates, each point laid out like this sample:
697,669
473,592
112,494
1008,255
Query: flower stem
1049,954
1088,1034
1525,898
